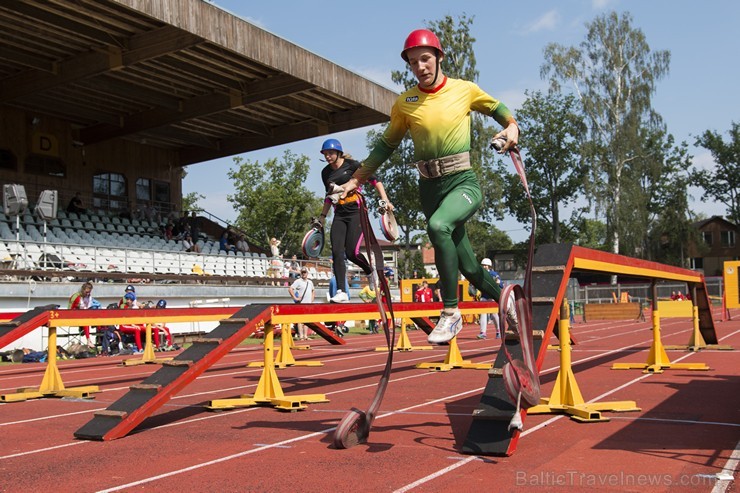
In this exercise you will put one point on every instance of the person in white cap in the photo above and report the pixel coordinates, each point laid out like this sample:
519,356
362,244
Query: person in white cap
484,318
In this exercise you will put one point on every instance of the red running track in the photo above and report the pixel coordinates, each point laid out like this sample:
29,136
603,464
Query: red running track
686,433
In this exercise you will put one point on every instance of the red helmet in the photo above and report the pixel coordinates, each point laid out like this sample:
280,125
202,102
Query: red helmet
421,37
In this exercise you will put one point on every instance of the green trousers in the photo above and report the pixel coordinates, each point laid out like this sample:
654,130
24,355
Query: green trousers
448,202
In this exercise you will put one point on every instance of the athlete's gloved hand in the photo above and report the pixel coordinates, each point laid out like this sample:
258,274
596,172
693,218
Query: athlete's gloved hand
352,184
506,139
318,222
335,193
385,205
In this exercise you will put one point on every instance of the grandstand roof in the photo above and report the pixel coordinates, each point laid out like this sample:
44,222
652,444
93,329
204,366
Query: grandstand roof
178,74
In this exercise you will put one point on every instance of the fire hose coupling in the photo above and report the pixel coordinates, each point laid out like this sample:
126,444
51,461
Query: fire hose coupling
497,144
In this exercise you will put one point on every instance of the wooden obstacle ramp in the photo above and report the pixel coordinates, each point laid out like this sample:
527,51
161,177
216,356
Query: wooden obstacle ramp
145,398
23,324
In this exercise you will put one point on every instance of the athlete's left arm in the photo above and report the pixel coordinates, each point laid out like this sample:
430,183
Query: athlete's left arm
486,104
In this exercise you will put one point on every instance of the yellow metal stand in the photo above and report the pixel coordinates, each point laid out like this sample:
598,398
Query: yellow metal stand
566,396
454,360
268,389
696,341
404,343
147,356
284,356
657,357
52,384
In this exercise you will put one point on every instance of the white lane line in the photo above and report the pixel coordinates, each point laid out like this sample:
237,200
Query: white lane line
448,469
391,413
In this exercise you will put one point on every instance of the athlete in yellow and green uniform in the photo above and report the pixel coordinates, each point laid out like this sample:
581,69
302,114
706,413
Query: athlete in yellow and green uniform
436,113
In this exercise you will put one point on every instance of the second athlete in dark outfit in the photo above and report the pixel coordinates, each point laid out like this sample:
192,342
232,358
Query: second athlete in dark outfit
346,234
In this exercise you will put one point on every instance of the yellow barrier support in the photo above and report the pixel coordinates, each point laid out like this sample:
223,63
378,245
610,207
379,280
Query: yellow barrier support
657,357
454,360
147,356
268,389
284,356
52,384
696,341
404,343
566,396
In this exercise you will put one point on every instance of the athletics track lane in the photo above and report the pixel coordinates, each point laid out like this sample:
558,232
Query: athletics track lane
405,447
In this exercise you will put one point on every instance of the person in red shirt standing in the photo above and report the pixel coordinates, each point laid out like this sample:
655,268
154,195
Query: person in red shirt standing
424,293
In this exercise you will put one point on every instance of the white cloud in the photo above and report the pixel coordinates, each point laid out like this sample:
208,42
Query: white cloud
546,22
602,4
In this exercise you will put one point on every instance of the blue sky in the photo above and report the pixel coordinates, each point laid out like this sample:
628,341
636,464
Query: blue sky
700,92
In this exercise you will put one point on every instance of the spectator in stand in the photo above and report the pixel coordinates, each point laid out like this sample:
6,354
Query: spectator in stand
242,245
294,268
76,205
83,300
368,296
276,263
154,216
388,272
302,291
189,246
223,243
194,226
132,291
169,231
424,293
161,304
184,231
129,301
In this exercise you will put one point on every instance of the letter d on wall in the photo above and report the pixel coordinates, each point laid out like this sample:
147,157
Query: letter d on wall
45,144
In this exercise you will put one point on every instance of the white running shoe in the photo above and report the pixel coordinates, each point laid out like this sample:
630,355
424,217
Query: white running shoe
448,327
340,297
511,318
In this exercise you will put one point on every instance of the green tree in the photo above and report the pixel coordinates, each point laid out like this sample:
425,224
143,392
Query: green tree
551,127
272,200
613,73
723,183
588,233
485,237
655,189
190,201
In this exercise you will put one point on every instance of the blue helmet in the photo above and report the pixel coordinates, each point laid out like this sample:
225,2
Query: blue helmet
332,145
162,304
130,288
130,296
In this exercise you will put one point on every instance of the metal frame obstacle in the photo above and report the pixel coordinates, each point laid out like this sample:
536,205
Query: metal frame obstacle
552,267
